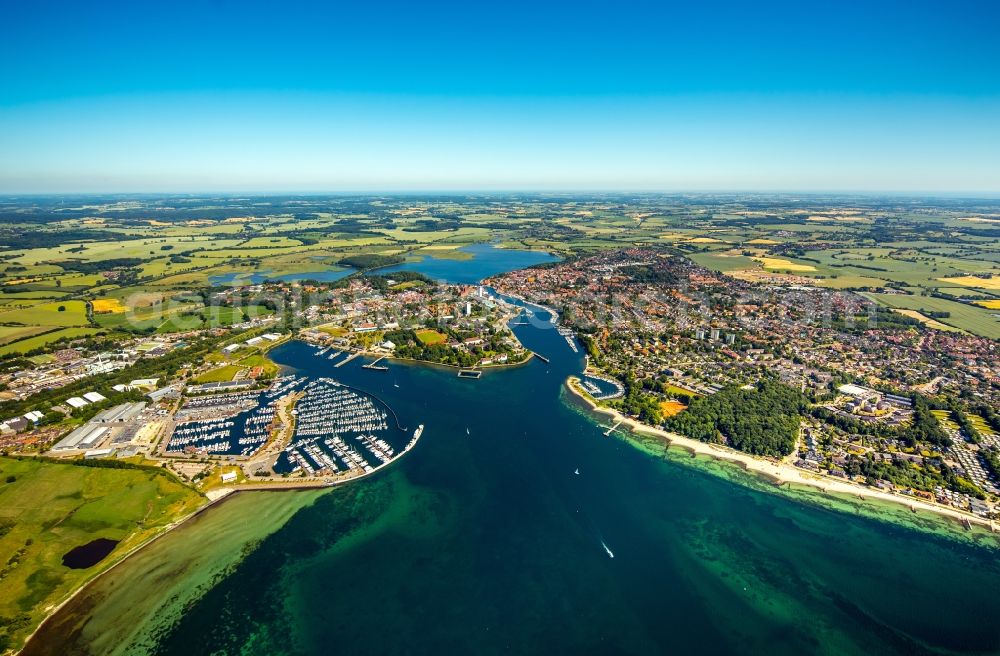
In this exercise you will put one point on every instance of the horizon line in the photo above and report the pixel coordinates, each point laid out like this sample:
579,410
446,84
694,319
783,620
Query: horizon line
955,194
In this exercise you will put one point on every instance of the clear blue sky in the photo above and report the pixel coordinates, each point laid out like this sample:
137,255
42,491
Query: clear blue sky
226,95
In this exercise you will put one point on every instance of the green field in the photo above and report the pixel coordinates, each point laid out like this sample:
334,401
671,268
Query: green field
10,334
38,341
73,313
47,509
977,321
429,336
222,374
724,261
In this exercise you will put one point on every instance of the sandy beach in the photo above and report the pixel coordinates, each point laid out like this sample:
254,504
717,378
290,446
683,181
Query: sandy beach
780,472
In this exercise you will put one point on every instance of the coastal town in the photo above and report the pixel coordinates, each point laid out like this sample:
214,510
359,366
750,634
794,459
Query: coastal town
877,409
660,332
231,420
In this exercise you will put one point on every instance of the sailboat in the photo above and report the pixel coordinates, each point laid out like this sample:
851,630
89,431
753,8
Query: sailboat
467,431
577,471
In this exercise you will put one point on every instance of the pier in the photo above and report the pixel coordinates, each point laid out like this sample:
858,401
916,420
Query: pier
608,432
541,357
346,360
374,365
570,338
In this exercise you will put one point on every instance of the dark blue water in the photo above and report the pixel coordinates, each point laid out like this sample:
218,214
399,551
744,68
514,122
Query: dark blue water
88,555
488,260
484,539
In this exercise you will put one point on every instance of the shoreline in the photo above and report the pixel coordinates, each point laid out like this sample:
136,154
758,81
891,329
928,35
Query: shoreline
215,498
554,316
780,473
211,501
506,365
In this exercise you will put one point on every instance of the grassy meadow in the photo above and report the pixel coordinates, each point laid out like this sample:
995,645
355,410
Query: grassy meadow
48,508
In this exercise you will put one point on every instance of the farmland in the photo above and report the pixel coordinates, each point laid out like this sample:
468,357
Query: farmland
47,509
137,263
960,315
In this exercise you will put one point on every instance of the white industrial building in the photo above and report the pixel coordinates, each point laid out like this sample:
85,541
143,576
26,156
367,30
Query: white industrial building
83,437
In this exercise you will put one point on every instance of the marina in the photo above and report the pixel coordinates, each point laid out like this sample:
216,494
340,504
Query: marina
229,424
601,388
340,430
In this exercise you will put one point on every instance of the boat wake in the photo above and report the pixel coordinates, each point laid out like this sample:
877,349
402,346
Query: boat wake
610,553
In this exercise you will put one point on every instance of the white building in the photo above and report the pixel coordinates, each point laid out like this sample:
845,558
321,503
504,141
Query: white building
857,391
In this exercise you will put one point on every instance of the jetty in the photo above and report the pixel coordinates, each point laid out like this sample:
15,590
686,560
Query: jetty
347,359
570,338
374,365
541,357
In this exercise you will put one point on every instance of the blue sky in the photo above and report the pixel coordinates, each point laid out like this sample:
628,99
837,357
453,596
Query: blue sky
249,96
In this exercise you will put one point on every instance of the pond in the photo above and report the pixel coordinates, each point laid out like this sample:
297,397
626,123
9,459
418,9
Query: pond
88,555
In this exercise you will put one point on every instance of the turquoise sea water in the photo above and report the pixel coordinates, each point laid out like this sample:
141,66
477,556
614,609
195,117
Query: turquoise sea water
483,539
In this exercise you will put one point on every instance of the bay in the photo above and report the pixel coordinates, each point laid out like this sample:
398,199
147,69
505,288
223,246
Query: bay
516,526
